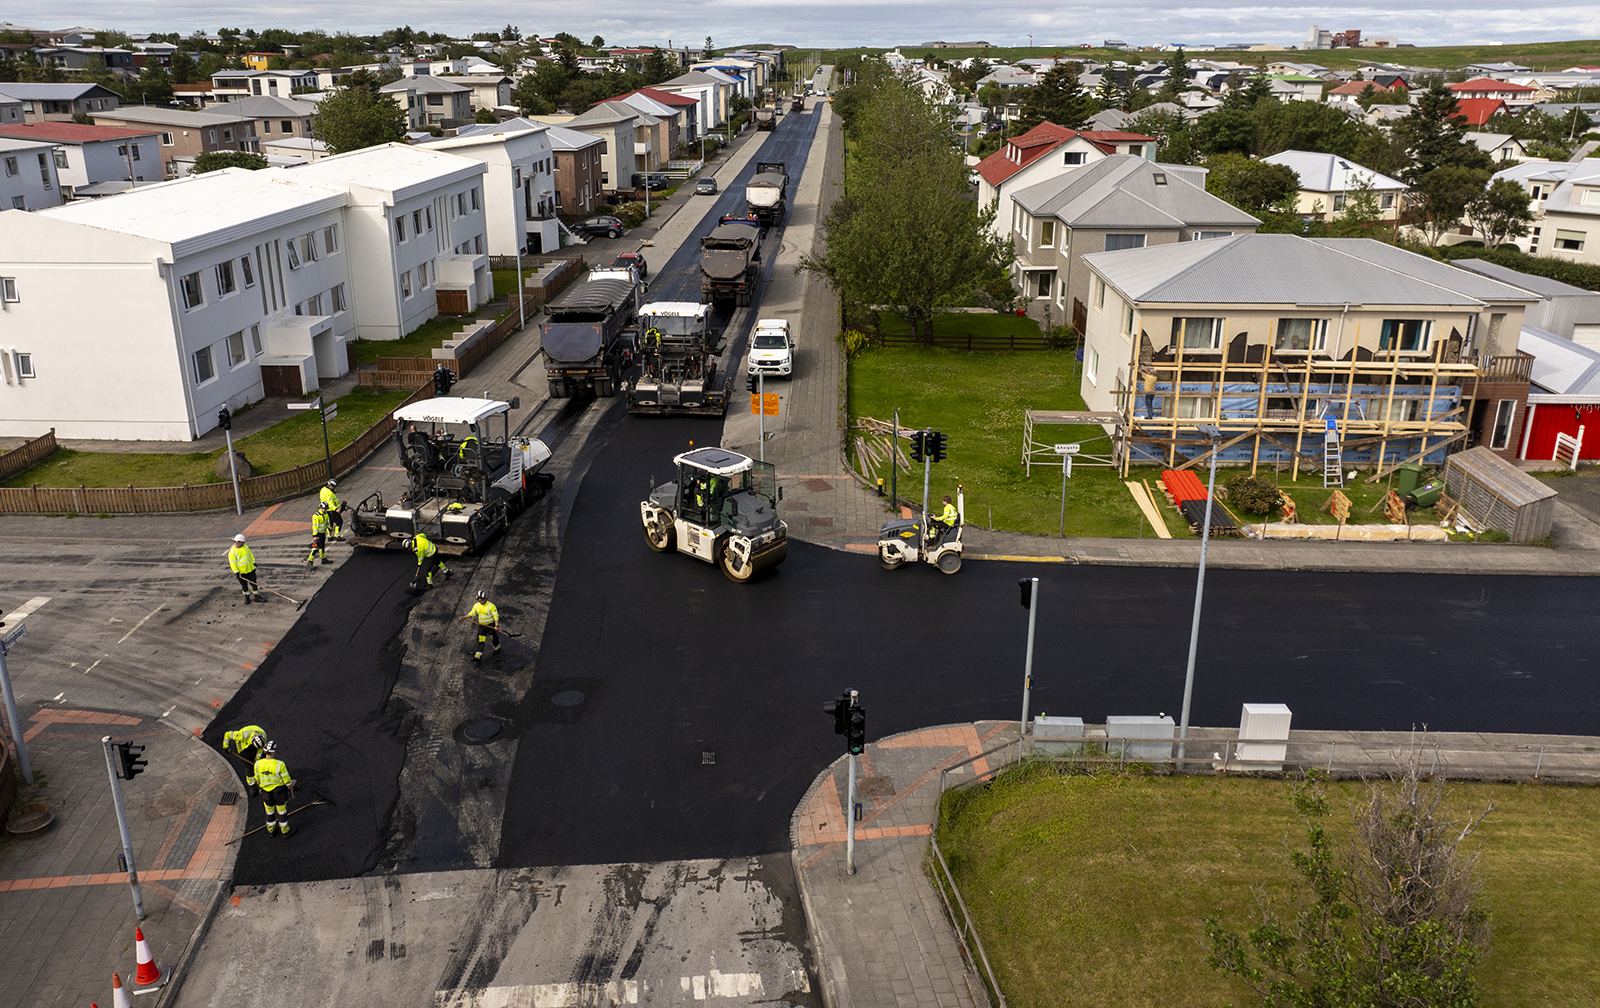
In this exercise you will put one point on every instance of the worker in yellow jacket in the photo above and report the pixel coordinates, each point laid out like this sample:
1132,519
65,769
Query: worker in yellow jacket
487,618
243,564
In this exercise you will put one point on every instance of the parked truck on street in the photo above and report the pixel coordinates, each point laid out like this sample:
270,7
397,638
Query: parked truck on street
730,260
588,339
766,193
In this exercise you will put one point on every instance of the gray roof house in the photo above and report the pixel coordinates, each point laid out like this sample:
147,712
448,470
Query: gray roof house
1122,201
1327,180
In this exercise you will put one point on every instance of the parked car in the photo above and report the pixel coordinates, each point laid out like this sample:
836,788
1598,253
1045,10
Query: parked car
706,187
634,259
596,227
654,181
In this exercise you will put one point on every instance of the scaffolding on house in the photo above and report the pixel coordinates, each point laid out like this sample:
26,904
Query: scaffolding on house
1273,408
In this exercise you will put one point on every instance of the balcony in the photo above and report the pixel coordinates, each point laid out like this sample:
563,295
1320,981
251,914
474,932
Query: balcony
1517,367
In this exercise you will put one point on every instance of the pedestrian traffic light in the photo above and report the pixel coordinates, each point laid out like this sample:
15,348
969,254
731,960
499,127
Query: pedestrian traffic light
838,709
225,419
750,381
935,445
855,737
443,378
1026,584
131,763
916,445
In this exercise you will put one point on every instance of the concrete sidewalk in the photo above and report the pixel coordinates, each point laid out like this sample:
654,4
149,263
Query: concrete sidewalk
885,939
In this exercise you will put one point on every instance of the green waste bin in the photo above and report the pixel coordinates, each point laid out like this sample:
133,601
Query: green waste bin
1427,495
1410,476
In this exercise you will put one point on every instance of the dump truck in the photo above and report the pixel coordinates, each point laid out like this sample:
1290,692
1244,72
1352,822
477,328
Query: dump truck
766,119
798,104
767,191
466,477
588,338
678,373
730,260
722,508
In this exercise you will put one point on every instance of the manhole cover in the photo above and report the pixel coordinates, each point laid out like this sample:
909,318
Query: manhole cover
480,731
567,698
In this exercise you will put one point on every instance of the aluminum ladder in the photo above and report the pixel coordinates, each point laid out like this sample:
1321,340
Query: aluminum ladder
1332,458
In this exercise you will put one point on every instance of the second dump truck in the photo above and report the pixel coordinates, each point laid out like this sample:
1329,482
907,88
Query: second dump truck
588,340
767,192
766,118
730,260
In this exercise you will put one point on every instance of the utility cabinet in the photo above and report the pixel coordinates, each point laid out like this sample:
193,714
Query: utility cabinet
1141,726
1047,729
1263,736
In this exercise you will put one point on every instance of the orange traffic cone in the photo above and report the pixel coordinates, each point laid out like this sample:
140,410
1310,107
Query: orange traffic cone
119,997
150,976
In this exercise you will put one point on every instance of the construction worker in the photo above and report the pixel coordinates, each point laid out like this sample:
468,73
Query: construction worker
335,506
1147,388
272,777
427,559
243,563
487,617
249,742
946,521
320,522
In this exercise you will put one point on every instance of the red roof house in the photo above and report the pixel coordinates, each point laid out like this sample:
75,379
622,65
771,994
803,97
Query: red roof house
1047,138
1476,111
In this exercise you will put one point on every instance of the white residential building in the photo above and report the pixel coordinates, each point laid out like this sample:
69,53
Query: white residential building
88,155
519,186
10,110
1327,182
1569,227
28,178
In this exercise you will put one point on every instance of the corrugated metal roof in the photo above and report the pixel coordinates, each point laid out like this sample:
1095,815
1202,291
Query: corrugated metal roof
1121,192
1474,285
1561,366
1269,269
1331,173
1543,286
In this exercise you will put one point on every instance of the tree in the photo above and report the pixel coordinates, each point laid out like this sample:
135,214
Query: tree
1109,93
1225,131
357,116
211,161
1307,126
9,68
906,233
1252,186
1177,81
597,42
1393,923
542,88
1170,130
1434,135
1249,93
1500,212
567,57
152,85
658,68
1440,198
484,115
1059,97
510,33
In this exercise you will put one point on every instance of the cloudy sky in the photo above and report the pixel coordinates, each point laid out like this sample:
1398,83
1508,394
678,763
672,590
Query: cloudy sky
876,22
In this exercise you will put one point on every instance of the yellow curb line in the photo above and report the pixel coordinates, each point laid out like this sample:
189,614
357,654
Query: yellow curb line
1018,559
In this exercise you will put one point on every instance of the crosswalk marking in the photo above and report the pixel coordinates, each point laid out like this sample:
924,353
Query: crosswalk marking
701,987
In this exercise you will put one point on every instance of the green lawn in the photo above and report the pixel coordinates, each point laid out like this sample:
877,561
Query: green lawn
295,441
952,325
1090,890
420,342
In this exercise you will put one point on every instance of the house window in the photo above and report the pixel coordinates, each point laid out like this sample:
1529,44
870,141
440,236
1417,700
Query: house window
416,221
1398,410
1405,335
61,158
227,134
1075,157
434,99
1197,333
336,296
1386,201
1092,372
314,304
25,366
405,284
294,254
460,205
19,203
1159,178
135,149
1571,241
286,126
1338,201
1127,319
248,271
477,244
225,282
11,166
1099,294
167,140
330,239
193,295
427,217
1505,412
1193,407
1137,150
516,178
1047,234
44,169
255,339
1204,235
422,277
1044,280
236,354
308,247
474,191
266,127
203,369
399,230
1118,242
1301,334
8,290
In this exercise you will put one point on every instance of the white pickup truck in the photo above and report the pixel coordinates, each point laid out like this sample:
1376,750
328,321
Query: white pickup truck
772,348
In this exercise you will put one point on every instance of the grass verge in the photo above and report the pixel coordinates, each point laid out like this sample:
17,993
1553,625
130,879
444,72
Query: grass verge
419,342
1089,890
284,445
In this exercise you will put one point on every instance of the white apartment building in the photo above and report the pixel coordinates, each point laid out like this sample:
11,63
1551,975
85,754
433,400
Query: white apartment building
87,155
28,179
519,185
140,315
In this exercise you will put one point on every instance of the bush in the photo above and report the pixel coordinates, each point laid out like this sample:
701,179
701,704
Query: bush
855,343
1253,494
631,214
1585,275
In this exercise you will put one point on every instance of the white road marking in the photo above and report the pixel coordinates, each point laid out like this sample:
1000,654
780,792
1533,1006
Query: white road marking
58,696
91,667
141,623
27,608
169,710
557,995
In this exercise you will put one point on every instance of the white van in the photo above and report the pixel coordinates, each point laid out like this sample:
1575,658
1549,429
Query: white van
772,348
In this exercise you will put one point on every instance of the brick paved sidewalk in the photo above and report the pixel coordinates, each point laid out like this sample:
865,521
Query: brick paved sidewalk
65,906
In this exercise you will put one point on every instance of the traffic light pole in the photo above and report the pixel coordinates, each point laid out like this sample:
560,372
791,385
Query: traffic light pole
122,825
12,719
238,504
1027,668
927,473
894,465
850,822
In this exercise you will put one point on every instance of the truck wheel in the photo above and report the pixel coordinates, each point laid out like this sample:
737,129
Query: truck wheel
949,563
605,388
730,569
558,390
658,535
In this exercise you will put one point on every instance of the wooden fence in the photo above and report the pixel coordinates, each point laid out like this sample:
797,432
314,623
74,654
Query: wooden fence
18,459
204,496
969,341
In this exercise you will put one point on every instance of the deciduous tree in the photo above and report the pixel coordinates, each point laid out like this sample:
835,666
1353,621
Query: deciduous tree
1440,198
356,116
1252,186
1500,212
211,161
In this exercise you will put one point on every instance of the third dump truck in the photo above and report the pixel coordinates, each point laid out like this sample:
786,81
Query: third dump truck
730,260
767,192
766,118
588,340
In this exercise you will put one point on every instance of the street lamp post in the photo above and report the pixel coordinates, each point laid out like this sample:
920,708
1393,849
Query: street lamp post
1214,433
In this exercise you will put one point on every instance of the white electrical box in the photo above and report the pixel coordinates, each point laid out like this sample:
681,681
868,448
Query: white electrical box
1263,736
1141,726
1046,728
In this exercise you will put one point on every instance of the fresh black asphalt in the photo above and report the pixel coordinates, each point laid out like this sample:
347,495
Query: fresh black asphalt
675,714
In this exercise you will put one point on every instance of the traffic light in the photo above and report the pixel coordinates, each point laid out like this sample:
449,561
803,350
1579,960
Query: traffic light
224,419
855,736
130,761
750,381
916,445
443,378
838,709
1026,584
935,445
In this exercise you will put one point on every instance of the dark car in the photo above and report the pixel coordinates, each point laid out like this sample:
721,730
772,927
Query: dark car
705,187
655,181
596,227
634,259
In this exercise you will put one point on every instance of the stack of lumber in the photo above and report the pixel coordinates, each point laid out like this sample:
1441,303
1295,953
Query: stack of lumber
875,444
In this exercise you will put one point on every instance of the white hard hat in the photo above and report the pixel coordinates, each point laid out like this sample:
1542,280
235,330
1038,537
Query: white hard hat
239,537
333,483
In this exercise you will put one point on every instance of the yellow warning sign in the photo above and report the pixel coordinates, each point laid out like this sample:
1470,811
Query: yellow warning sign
769,407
